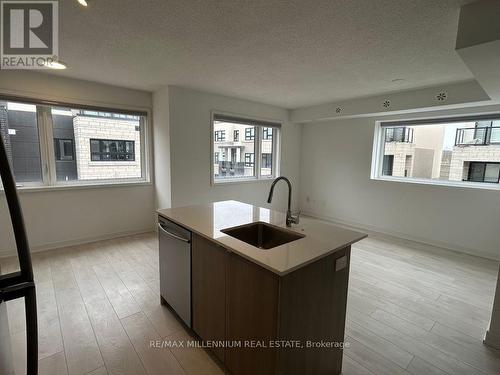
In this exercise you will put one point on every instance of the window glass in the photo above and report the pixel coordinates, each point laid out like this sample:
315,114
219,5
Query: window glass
19,130
243,149
267,149
492,173
64,149
220,135
249,160
388,164
249,133
232,160
468,150
476,172
96,145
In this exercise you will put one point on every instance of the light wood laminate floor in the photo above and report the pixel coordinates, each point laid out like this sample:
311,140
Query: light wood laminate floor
412,309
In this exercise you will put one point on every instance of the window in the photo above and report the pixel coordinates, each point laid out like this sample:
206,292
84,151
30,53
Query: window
19,129
461,151
484,172
51,145
267,160
249,134
106,150
220,135
253,158
249,160
267,133
63,149
400,134
388,164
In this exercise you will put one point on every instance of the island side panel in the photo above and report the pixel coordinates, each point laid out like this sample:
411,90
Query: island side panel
313,301
252,316
209,262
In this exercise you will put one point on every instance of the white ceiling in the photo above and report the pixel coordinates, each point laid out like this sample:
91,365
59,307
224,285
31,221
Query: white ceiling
288,53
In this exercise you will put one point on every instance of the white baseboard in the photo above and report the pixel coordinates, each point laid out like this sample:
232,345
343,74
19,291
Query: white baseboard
78,241
374,230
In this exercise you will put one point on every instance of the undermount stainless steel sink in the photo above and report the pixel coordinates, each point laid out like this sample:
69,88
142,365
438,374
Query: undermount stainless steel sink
262,235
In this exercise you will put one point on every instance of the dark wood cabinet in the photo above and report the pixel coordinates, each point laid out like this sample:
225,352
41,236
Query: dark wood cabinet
252,311
237,301
209,263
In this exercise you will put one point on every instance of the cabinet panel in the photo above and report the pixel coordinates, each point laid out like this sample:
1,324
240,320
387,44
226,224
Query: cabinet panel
313,303
252,315
209,291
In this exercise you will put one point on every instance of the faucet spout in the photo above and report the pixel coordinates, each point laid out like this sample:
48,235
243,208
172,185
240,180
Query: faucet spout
289,217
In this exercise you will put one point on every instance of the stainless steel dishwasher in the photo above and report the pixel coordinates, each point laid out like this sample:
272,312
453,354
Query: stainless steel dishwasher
175,267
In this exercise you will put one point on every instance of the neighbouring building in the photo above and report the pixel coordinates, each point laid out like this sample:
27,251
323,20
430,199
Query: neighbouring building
428,152
234,150
107,147
413,151
88,145
476,155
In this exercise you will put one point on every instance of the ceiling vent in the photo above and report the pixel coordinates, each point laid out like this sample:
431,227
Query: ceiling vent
442,96
386,104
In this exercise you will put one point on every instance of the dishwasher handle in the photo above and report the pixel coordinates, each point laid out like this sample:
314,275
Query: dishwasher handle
162,229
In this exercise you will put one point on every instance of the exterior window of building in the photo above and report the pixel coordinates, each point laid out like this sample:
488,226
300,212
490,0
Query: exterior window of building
75,142
267,133
267,144
249,134
64,149
251,154
109,150
399,134
19,129
220,135
388,164
267,160
249,160
457,152
484,172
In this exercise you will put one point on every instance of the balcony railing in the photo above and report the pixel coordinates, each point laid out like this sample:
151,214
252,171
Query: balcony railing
479,136
231,169
399,134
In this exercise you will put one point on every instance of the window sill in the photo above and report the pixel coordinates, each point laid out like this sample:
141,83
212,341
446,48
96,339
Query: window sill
459,184
240,181
79,186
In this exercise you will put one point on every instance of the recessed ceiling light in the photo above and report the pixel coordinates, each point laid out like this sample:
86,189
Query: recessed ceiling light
59,65
83,2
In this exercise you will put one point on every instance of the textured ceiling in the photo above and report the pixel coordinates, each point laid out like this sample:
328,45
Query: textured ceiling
287,53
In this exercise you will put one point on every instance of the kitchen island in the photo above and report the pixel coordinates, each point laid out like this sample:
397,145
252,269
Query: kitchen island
267,299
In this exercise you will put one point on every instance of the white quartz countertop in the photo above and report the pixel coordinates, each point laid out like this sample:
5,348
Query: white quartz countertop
207,220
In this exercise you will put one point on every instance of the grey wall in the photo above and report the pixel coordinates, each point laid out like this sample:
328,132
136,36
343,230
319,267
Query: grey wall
57,217
161,123
190,124
336,184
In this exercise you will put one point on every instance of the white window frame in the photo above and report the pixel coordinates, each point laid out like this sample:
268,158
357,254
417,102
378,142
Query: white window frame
258,177
47,156
379,147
